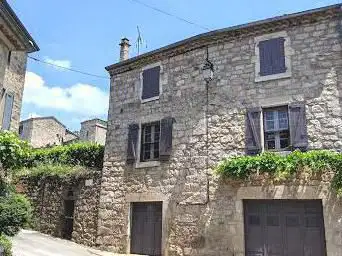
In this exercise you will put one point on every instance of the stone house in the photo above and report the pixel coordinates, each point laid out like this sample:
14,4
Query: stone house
276,86
45,131
15,44
94,130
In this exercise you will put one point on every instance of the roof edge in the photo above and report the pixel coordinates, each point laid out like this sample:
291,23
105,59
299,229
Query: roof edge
219,31
33,46
43,118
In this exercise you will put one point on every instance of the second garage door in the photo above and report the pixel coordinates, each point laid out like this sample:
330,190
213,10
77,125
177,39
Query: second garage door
284,228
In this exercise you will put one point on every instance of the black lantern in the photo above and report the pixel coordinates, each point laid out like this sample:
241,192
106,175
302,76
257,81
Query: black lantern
208,69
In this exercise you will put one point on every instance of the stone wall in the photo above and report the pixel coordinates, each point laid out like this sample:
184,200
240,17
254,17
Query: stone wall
201,215
13,81
94,131
47,197
44,131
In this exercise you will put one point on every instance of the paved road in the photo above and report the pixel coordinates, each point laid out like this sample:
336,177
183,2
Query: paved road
32,243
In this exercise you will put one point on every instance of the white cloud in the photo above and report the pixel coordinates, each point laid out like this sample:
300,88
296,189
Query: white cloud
61,63
82,99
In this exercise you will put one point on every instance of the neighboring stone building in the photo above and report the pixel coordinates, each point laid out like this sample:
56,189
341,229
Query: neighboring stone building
45,132
15,44
94,130
276,85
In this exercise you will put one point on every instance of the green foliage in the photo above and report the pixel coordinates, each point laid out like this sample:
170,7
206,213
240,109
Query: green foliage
6,244
43,171
283,167
15,213
85,154
13,151
16,154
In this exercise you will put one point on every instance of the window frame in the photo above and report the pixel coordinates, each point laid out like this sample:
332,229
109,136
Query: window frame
153,142
142,82
288,52
276,131
2,108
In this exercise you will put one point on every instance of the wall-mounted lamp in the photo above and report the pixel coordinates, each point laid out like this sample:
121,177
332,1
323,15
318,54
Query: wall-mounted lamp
208,69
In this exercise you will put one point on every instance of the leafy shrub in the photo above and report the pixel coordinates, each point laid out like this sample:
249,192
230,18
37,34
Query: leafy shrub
278,166
6,244
15,213
42,171
13,151
85,154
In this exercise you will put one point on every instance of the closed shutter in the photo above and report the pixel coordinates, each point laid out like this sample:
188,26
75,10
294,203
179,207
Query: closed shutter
133,133
165,149
298,130
272,56
6,120
150,83
253,142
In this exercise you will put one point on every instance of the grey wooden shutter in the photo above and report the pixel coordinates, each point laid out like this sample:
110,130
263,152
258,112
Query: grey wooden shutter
6,120
165,145
272,56
253,131
150,83
132,143
298,130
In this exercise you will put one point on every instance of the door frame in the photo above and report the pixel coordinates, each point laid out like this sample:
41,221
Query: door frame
146,198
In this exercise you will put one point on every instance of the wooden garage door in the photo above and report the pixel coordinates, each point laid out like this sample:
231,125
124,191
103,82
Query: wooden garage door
146,228
284,228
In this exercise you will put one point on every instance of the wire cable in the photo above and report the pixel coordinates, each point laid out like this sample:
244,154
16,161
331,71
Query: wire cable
172,15
65,68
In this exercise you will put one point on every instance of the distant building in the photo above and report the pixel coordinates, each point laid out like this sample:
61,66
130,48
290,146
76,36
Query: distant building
94,130
15,44
45,131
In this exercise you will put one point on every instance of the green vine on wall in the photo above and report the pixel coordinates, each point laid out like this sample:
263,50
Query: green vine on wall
283,167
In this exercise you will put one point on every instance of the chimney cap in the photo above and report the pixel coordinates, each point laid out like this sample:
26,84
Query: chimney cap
124,41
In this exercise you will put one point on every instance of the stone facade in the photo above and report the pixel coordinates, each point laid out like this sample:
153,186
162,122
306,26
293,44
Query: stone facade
45,131
15,43
94,130
48,197
203,215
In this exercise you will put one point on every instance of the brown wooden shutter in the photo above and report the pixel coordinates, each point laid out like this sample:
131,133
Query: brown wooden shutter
298,130
253,140
165,148
150,83
133,133
272,56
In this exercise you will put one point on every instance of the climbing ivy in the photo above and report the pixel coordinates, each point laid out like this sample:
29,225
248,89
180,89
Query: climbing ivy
283,167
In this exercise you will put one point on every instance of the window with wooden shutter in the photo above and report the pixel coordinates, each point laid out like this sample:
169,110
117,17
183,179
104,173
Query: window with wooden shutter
166,128
299,137
150,138
7,116
276,128
253,140
132,142
150,84
272,56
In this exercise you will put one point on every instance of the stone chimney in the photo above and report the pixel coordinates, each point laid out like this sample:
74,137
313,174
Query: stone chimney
124,49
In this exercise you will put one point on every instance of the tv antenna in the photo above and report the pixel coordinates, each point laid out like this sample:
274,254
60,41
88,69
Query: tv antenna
140,41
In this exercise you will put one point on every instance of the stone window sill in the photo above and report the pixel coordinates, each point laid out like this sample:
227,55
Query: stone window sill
148,164
150,99
272,77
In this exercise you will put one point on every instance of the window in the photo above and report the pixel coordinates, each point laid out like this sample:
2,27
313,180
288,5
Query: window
6,119
150,136
272,56
150,84
276,128
21,129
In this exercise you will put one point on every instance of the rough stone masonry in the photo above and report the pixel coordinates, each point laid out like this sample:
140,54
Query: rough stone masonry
201,214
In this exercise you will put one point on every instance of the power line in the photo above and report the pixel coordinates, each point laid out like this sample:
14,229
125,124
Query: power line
172,15
69,69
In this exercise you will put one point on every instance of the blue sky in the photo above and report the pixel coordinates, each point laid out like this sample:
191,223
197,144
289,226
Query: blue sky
85,34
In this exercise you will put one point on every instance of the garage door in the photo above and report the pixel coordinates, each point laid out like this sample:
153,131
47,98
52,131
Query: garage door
146,229
284,228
